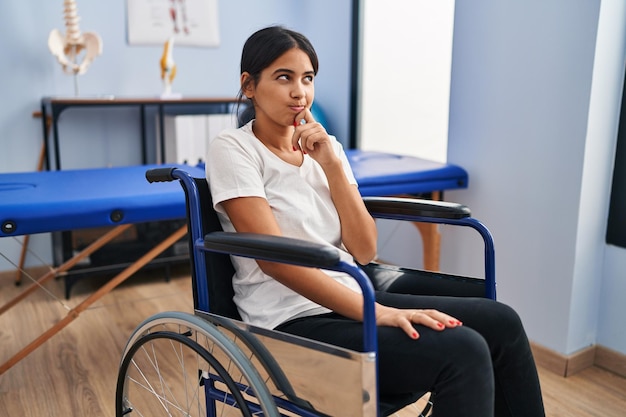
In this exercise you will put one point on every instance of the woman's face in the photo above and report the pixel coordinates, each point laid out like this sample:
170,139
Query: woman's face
284,88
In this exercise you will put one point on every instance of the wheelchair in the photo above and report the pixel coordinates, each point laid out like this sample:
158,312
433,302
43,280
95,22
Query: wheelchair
210,363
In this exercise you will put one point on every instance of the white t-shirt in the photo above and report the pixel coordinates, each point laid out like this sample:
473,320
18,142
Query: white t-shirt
239,165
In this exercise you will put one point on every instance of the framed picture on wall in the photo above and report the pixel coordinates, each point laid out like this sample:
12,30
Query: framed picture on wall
189,22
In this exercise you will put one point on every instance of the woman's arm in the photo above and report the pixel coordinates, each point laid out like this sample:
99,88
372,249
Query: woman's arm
358,228
254,215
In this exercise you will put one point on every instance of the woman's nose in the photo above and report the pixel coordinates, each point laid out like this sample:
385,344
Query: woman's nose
298,91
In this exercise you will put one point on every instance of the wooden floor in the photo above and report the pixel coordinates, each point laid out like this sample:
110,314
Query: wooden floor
74,373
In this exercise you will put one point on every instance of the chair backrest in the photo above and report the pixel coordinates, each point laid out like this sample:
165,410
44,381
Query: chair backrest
219,268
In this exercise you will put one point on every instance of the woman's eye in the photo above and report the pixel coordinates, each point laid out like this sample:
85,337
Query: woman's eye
283,77
309,78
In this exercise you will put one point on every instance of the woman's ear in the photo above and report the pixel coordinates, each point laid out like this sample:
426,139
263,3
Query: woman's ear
247,84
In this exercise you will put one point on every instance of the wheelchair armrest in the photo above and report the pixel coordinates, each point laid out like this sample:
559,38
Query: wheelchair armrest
415,207
273,248
299,252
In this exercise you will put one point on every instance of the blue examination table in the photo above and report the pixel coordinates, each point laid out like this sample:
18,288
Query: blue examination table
386,174
40,202
50,201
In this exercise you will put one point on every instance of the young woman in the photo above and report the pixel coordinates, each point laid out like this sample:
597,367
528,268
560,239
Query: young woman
282,174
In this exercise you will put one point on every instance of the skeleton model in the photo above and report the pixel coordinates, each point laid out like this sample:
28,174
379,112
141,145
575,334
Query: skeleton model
67,48
168,68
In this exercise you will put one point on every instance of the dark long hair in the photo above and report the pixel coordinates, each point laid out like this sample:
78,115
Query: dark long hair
260,50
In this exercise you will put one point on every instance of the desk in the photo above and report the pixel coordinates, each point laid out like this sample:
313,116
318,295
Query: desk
54,106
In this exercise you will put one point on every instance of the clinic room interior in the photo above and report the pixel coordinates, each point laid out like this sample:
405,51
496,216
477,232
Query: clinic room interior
525,96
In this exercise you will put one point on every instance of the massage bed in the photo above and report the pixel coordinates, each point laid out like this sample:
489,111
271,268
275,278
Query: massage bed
386,174
51,201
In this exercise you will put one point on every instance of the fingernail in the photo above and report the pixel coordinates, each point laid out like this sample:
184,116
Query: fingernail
414,335
295,124
440,325
294,149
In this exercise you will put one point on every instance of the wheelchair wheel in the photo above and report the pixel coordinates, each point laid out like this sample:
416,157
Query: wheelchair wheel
177,364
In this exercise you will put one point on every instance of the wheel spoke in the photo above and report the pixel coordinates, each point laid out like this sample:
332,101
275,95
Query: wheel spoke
171,366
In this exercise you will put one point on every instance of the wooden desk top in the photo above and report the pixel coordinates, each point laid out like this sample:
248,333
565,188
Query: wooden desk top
121,100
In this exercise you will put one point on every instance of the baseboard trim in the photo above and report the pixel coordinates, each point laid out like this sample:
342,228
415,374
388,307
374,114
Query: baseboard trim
567,365
611,360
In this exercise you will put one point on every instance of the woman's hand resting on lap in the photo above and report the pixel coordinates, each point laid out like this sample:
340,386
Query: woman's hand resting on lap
405,319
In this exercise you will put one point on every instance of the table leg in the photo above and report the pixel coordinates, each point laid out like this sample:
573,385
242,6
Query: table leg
74,313
40,165
67,265
431,239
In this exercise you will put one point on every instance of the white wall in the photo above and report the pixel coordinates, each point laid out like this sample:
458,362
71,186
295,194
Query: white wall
603,122
611,320
534,107
28,70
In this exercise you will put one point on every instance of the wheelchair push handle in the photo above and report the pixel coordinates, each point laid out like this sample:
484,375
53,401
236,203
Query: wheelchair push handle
160,175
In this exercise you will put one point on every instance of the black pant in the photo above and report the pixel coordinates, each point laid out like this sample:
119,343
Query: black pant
481,369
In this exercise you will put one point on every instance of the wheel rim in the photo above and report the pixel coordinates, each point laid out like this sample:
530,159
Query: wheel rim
173,369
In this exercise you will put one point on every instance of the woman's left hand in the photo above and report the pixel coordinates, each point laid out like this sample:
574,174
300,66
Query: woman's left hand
405,319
